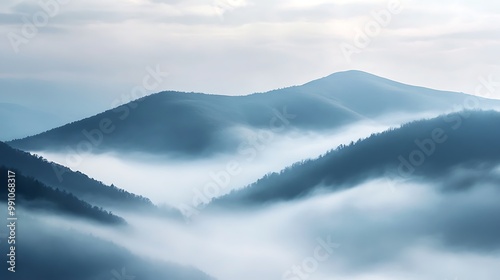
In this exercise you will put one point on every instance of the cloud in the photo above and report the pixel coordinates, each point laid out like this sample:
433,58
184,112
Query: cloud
383,233
177,181
256,47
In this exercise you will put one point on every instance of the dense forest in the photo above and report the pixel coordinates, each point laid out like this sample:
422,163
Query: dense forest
33,195
77,183
466,138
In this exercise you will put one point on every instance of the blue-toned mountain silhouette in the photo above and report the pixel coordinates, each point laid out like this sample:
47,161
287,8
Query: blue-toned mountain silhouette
194,124
35,196
422,150
80,256
78,184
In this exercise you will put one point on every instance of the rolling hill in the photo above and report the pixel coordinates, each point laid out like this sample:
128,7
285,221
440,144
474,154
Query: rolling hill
195,124
35,196
76,183
431,149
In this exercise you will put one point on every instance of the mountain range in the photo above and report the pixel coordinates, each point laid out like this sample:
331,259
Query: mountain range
198,125
89,225
432,149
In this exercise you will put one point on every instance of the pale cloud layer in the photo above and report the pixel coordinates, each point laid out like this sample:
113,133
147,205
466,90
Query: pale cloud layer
235,47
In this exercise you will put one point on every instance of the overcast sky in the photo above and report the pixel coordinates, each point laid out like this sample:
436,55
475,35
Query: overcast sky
97,50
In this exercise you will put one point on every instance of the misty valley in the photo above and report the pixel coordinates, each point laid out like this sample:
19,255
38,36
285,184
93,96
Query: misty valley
350,176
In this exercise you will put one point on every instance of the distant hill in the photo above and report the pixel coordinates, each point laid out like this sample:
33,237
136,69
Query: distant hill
195,124
77,183
372,96
33,195
464,140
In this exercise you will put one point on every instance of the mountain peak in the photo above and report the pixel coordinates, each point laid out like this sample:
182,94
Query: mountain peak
353,76
196,125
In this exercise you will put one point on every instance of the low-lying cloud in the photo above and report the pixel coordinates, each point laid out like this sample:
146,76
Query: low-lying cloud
375,231
179,181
